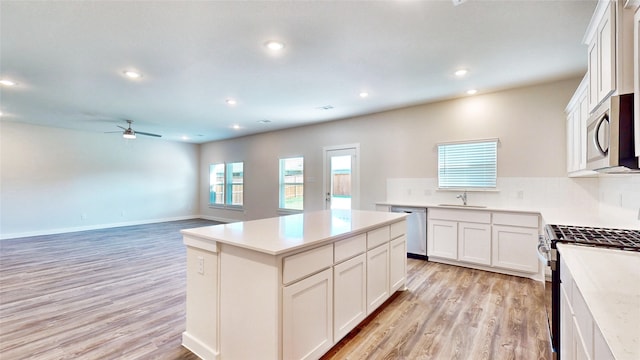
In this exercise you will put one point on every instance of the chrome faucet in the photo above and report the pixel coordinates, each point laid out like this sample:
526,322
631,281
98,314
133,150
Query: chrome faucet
463,197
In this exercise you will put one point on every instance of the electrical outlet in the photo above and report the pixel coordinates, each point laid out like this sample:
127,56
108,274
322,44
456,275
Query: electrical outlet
200,265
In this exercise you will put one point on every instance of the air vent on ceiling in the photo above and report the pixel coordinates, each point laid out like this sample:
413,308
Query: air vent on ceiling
326,107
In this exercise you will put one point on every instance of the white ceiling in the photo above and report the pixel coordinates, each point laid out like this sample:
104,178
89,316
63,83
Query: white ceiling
68,59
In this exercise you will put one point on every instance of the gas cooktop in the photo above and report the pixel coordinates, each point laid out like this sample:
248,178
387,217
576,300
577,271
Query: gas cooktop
621,239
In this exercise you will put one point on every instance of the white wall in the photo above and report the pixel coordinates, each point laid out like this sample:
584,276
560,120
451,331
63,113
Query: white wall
529,121
57,180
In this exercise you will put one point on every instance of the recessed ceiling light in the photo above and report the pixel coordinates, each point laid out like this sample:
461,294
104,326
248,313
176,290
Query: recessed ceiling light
471,91
231,102
132,74
274,45
236,127
0,113
185,137
364,94
461,72
7,82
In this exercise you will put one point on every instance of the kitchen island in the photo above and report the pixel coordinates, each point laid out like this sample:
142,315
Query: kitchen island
600,303
289,287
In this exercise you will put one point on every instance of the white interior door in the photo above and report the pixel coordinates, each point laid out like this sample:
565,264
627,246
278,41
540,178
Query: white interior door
341,181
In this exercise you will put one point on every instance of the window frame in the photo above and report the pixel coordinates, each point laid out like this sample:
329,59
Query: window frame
227,186
282,185
490,183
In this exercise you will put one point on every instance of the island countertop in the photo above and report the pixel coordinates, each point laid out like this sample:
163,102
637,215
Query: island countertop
283,234
609,281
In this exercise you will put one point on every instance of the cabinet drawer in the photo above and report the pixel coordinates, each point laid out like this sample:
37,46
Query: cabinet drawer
350,247
377,237
483,217
510,219
306,263
398,229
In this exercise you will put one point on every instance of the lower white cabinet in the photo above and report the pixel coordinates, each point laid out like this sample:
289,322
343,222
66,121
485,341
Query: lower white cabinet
474,243
397,263
442,239
580,336
350,293
377,277
496,241
307,316
514,248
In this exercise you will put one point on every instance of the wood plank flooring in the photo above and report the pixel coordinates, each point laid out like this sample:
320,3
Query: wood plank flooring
120,294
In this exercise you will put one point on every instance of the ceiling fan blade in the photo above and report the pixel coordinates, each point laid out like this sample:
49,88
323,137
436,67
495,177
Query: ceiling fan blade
123,128
147,134
113,132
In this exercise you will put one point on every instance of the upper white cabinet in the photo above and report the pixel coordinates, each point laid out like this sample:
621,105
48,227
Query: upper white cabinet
577,115
602,54
609,40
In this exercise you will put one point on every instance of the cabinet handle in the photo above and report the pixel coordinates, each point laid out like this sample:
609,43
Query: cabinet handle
601,121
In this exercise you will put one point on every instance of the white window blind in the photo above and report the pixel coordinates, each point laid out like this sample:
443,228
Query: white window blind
468,164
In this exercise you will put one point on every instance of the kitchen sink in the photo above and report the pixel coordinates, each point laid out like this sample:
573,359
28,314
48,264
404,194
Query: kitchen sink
463,206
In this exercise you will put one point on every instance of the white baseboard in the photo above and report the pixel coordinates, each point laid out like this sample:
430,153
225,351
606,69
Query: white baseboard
98,227
197,347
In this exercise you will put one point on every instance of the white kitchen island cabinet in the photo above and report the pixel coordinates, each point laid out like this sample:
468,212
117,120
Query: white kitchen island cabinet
289,287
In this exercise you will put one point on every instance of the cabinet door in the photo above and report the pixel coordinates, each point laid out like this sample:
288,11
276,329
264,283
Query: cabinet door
442,239
580,349
307,308
397,263
514,248
567,345
377,277
350,294
474,243
606,53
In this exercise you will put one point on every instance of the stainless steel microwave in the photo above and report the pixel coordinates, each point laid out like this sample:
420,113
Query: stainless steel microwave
610,143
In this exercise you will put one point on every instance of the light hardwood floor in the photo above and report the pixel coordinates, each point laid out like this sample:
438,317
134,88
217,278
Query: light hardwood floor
120,294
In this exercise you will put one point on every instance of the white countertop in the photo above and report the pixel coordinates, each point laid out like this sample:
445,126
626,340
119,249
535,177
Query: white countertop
609,281
282,234
550,215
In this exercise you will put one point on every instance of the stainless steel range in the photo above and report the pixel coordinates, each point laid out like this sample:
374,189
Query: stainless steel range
620,239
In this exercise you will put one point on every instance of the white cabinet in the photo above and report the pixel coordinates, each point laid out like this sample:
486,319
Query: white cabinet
307,323
601,57
377,277
514,248
397,263
577,115
350,292
487,240
461,235
580,336
515,239
474,243
442,239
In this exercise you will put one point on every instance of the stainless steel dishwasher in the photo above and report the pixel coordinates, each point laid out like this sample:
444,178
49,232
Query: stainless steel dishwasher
416,230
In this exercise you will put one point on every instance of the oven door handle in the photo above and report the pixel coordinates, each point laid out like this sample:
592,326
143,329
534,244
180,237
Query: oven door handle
544,252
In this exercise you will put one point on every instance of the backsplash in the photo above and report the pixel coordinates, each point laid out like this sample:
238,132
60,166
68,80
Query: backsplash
611,200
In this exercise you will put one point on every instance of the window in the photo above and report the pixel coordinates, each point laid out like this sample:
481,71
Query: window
226,184
292,183
469,165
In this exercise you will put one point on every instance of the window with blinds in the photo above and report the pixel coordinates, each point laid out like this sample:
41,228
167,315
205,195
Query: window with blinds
470,165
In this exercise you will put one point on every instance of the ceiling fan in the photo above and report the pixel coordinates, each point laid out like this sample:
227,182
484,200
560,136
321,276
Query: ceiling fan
129,133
